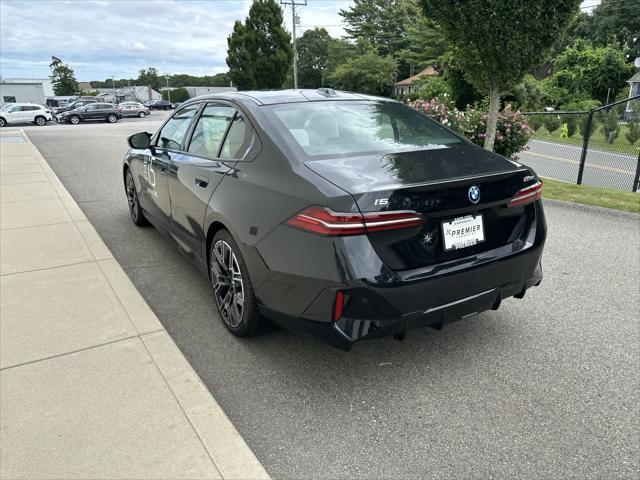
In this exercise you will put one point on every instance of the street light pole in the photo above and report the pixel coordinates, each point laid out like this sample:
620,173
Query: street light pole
295,48
166,77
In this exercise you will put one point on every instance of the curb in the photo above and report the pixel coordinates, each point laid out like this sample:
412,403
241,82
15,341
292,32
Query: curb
592,208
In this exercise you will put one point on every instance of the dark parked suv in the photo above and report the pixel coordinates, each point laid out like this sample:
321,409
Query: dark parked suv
159,105
73,105
343,215
106,112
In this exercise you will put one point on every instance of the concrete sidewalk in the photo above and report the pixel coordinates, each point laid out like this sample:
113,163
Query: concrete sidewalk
91,385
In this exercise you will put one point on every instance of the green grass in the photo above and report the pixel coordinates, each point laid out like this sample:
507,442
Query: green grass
597,141
601,197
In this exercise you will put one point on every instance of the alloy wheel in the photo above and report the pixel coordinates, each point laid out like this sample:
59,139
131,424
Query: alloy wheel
132,198
40,121
112,119
228,288
75,120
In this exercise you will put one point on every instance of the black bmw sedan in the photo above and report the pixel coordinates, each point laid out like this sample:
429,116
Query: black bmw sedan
339,214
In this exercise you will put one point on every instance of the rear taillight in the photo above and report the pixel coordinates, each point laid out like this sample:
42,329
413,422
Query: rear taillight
323,221
338,306
526,195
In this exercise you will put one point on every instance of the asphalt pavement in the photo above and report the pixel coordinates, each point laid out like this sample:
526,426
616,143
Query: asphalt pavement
562,162
545,387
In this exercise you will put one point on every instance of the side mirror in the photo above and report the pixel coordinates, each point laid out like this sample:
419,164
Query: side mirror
140,140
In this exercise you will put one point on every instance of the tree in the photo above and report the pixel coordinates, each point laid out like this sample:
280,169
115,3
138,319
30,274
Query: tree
259,51
176,95
313,50
150,77
612,21
584,71
385,24
497,42
425,44
367,72
62,78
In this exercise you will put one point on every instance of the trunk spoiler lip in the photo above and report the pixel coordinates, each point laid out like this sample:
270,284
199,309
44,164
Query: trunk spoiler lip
452,181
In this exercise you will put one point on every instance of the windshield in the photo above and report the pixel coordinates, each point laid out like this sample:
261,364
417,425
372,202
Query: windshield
6,106
351,128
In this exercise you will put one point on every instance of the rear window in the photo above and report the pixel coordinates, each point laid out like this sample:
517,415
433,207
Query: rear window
330,129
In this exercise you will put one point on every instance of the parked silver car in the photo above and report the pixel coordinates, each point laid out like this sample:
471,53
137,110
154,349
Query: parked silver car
133,109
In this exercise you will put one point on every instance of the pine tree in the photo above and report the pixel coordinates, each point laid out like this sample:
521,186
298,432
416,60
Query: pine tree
259,51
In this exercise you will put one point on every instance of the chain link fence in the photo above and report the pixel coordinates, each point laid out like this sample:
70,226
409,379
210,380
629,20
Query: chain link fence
600,147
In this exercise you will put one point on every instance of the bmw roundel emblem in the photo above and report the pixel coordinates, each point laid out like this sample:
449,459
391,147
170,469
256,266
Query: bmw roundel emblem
474,194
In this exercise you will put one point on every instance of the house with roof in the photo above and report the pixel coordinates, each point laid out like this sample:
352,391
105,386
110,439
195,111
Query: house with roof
412,84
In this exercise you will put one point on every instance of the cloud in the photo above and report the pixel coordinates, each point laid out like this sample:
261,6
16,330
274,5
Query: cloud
101,38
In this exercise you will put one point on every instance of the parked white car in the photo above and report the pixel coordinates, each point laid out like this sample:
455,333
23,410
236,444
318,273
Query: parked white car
24,113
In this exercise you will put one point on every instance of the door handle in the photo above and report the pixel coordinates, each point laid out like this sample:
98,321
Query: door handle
202,181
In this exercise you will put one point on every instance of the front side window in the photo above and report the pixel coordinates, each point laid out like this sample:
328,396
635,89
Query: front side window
173,132
210,130
326,129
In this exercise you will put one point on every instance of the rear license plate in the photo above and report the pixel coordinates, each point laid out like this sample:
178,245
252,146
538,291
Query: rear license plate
463,232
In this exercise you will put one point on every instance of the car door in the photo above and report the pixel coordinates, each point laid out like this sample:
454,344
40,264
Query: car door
166,143
89,112
194,175
18,114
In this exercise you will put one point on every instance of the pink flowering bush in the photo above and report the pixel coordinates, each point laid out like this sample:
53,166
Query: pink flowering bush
512,133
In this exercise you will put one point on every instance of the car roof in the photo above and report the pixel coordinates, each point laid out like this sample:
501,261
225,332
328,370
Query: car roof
23,104
272,97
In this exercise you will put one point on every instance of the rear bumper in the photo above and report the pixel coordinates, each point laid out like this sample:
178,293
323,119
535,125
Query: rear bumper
385,319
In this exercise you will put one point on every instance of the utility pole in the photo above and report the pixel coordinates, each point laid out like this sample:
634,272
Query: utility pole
166,77
295,19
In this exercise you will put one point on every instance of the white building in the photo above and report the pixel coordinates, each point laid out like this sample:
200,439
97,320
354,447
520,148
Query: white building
132,93
45,82
14,92
197,91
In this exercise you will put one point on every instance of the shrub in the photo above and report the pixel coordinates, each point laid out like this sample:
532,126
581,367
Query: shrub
610,126
564,131
535,122
434,87
512,132
633,129
569,125
551,123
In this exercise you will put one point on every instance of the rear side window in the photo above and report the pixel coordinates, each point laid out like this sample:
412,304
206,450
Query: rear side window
235,140
210,130
173,132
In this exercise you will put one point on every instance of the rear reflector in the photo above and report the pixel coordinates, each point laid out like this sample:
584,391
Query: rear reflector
323,221
526,195
338,305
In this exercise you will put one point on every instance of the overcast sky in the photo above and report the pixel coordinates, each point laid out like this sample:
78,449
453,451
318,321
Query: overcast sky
101,38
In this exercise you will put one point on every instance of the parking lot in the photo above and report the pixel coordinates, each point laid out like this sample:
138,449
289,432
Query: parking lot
545,387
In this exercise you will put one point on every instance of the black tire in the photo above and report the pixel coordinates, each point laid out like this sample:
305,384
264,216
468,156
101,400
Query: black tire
74,119
132,199
111,118
142,114
3,122
229,291
40,121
